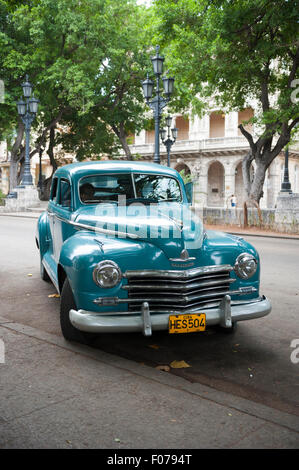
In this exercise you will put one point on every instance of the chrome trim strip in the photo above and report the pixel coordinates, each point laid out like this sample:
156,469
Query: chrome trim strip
182,300
208,306
97,229
182,287
179,274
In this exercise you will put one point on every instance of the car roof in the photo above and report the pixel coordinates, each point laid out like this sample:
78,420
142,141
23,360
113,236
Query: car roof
78,170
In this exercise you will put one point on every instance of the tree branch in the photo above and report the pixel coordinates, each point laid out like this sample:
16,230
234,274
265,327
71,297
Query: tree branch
249,138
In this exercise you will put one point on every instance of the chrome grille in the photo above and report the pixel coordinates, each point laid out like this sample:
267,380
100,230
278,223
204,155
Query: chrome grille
178,290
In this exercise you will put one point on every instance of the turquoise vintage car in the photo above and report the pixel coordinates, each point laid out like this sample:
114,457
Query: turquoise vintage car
126,253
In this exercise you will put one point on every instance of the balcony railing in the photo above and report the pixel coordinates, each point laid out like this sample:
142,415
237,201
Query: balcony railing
193,146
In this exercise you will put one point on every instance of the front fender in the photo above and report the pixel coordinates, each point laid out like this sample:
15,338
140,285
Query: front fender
42,234
81,252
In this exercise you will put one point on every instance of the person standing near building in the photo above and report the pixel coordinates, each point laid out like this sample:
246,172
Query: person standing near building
233,204
233,201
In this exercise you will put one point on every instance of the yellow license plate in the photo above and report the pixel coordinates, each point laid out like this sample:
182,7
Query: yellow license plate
187,323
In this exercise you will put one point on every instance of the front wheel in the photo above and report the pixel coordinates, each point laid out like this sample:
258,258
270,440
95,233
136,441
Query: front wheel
67,302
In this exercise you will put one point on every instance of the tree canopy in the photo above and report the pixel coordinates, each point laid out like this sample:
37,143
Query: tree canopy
85,60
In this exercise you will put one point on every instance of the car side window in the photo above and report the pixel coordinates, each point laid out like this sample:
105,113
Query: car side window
65,193
54,187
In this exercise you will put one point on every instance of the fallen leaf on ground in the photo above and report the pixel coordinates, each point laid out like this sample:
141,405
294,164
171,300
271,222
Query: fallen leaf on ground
54,295
179,364
29,274
116,439
153,346
164,368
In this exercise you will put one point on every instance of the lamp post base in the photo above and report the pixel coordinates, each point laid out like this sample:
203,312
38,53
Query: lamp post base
286,187
20,199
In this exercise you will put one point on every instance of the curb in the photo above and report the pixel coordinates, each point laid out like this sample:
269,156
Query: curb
282,237
33,215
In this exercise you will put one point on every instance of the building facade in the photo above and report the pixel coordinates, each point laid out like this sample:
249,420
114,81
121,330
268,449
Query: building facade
211,150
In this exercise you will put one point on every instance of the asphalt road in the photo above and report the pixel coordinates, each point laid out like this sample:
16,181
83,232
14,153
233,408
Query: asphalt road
254,363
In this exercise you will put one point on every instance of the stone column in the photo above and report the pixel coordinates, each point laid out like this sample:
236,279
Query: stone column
231,124
194,128
200,185
203,127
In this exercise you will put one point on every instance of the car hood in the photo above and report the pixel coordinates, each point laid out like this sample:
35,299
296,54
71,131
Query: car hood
171,227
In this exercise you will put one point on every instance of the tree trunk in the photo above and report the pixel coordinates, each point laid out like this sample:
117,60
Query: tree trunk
253,187
50,150
46,186
15,157
121,134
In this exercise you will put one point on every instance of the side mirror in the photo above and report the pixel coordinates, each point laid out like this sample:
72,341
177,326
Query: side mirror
189,191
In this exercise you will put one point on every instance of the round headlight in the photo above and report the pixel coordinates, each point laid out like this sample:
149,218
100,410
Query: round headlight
106,274
245,265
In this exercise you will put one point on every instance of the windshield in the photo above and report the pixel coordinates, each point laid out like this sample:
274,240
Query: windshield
129,188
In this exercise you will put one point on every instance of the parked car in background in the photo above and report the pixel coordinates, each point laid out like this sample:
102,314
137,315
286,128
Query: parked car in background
126,252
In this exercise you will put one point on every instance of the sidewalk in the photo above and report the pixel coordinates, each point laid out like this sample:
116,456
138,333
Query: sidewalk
56,394
251,231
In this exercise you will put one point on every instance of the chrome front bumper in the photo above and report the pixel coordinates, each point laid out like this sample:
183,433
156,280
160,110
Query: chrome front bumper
145,322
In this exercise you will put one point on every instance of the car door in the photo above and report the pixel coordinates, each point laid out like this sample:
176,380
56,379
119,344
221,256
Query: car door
64,206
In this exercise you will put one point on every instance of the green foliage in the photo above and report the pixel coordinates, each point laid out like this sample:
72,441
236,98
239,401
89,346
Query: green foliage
2,196
85,60
187,178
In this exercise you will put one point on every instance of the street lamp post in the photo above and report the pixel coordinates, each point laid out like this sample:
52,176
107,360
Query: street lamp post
286,185
168,142
27,111
158,102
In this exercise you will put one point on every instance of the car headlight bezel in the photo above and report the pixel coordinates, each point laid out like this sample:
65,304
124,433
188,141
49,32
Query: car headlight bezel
107,274
245,266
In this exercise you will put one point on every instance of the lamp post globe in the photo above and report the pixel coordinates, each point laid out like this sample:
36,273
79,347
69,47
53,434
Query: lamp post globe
27,88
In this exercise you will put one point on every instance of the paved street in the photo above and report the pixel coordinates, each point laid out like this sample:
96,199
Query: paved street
240,390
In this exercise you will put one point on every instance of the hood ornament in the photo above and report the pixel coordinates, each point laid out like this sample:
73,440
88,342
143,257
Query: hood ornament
184,257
